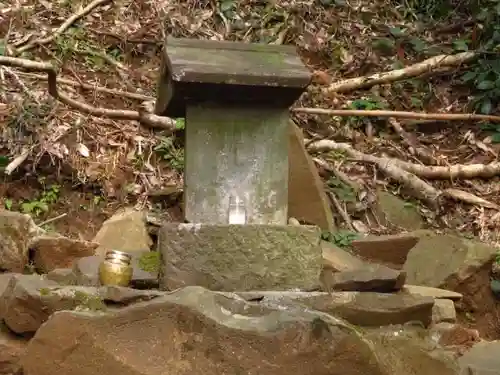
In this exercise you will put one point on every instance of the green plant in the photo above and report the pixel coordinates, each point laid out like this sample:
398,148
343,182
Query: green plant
170,153
49,196
342,190
341,238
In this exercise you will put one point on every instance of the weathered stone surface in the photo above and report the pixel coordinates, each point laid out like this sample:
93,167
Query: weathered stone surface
482,359
371,277
195,331
62,276
30,299
124,231
338,259
16,231
444,311
443,259
390,250
431,292
239,257
363,309
307,200
394,210
12,348
86,272
58,252
5,280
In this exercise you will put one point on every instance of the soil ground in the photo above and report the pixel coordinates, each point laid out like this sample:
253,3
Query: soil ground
87,167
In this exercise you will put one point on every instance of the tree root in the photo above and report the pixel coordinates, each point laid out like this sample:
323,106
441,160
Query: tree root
410,175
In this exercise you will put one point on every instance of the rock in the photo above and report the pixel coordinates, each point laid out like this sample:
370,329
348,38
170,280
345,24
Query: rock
307,200
58,252
86,272
445,260
4,281
12,348
338,259
454,337
364,309
62,276
444,311
239,257
394,210
482,359
194,331
16,231
390,250
431,292
30,299
373,277
124,231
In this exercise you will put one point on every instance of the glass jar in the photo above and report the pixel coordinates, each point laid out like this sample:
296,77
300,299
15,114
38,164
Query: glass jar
116,268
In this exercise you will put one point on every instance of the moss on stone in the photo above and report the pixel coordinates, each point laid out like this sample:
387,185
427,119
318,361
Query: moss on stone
150,262
89,301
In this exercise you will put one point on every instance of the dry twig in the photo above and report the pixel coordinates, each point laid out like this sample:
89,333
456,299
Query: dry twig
147,119
86,86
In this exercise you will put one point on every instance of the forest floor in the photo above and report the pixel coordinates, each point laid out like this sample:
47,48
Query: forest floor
80,168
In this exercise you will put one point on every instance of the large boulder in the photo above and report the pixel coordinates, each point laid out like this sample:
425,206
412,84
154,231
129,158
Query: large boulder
239,257
16,232
445,259
453,262
196,331
482,359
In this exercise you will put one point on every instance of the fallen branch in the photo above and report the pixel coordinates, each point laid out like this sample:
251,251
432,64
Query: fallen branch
423,171
419,188
86,86
145,118
398,114
66,25
441,61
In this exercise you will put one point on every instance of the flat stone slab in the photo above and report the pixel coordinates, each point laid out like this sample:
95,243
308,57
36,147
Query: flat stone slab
360,308
239,257
369,278
431,292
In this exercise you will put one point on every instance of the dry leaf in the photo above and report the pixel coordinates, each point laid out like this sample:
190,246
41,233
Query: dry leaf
83,150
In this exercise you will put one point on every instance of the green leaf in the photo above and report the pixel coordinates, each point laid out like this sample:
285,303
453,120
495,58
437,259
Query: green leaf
495,138
396,31
4,161
460,45
226,5
2,47
469,76
486,106
384,44
485,85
